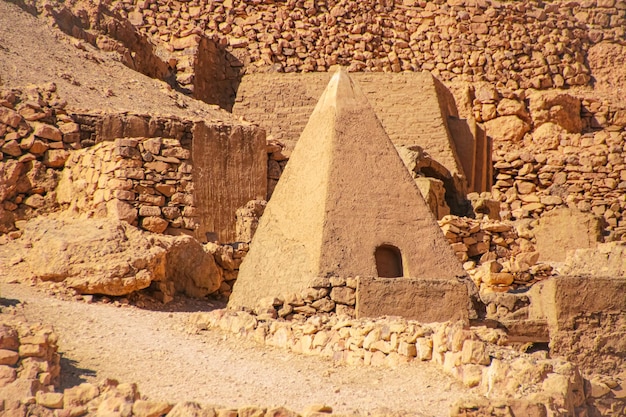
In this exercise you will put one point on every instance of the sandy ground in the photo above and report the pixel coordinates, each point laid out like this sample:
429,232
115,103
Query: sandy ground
31,52
154,349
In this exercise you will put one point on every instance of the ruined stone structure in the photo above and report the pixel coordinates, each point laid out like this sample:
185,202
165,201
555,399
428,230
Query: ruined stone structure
326,219
160,173
346,232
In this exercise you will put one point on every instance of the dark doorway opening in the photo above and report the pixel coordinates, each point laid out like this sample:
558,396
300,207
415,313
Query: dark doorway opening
388,261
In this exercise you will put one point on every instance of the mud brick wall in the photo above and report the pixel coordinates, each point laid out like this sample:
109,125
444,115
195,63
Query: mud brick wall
282,104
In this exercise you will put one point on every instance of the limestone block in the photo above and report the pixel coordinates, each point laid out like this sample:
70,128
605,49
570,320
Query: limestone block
114,406
29,350
55,158
343,295
143,408
510,107
121,210
424,348
434,192
564,229
185,42
8,357
498,278
47,131
52,400
556,107
474,352
80,395
12,148
145,211
9,117
548,135
8,338
507,128
407,349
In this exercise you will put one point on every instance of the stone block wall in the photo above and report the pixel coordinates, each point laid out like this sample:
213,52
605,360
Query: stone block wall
546,157
140,169
146,182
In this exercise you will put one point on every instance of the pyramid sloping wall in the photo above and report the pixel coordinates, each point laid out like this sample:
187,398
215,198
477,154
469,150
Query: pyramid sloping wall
345,192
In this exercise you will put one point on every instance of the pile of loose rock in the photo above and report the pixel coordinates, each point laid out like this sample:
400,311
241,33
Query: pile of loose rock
495,254
36,136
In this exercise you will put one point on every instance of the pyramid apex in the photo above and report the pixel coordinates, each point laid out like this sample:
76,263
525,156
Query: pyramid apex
341,93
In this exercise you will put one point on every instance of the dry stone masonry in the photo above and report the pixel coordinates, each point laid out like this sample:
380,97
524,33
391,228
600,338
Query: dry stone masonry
146,182
36,135
29,364
533,44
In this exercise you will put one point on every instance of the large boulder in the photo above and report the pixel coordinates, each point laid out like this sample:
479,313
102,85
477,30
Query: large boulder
111,257
507,128
556,107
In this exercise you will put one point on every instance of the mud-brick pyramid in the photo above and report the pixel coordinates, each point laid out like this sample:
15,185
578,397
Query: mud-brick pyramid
345,206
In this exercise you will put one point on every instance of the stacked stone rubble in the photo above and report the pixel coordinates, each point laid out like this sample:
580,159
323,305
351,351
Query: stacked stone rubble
144,181
497,256
334,295
529,45
555,150
36,136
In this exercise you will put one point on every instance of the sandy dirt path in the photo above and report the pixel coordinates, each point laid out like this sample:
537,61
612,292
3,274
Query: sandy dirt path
153,349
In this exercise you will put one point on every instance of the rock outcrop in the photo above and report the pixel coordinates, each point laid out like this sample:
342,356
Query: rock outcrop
99,256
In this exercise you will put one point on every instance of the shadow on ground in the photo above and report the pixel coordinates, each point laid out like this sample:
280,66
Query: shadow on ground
72,375
8,302
180,303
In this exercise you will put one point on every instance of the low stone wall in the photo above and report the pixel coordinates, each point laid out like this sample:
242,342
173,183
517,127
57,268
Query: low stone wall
327,295
146,182
509,380
37,136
